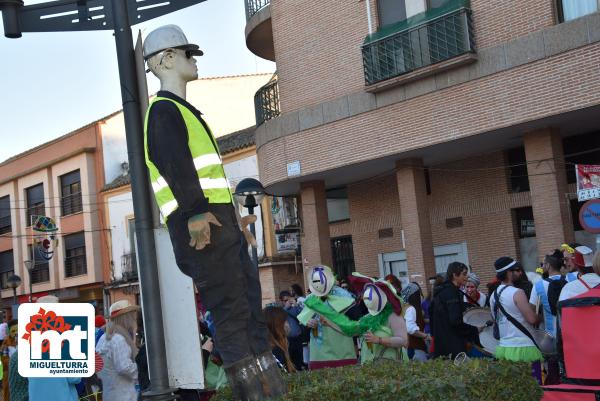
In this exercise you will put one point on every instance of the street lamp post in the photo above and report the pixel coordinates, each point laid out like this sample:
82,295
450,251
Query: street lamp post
29,266
249,193
13,282
119,16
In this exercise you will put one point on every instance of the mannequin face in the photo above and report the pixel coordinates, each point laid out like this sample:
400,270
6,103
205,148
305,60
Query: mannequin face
181,65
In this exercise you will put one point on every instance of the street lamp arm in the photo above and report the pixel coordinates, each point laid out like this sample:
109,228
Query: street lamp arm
79,15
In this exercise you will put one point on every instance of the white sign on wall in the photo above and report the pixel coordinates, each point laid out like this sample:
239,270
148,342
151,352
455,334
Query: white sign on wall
293,168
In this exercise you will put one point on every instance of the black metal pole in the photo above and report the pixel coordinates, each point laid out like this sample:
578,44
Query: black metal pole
152,309
14,295
253,231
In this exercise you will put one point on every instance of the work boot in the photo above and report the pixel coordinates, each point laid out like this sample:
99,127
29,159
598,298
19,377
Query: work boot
245,381
273,384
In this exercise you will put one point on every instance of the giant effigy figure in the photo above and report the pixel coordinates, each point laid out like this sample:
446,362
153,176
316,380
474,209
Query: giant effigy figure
193,194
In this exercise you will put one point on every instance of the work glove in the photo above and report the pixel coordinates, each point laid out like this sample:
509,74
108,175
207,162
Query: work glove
199,228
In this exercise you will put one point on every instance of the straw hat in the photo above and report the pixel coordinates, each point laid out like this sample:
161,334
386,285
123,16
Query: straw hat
321,280
122,307
47,299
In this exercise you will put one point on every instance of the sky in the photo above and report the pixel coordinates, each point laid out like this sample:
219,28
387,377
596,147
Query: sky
54,83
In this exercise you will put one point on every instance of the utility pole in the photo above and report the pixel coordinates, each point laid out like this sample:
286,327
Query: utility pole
119,16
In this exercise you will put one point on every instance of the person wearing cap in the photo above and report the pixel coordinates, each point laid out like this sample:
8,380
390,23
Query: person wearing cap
568,251
473,297
328,347
450,334
514,345
194,197
415,323
118,351
589,274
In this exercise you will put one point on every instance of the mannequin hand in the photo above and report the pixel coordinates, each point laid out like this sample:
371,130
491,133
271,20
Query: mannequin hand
244,223
371,338
199,228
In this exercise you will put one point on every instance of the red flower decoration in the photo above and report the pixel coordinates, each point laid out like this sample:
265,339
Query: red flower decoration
44,321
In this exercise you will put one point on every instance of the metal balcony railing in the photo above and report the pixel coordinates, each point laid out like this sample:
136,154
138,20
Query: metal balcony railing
266,102
5,225
71,204
4,276
75,266
129,266
40,273
439,39
254,6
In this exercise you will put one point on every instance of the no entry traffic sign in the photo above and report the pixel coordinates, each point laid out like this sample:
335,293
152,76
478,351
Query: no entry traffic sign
589,216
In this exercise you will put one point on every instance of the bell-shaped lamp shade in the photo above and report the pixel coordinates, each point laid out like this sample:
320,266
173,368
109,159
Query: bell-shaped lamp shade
249,193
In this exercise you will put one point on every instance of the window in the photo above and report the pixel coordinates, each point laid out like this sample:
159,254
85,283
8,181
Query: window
75,262
518,180
7,268
343,256
35,202
41,270
571,9
391,11
525,225
5,225
337,204
581,149
70,185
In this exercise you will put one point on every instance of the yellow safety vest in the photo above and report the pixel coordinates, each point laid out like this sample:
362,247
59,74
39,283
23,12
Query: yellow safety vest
207,161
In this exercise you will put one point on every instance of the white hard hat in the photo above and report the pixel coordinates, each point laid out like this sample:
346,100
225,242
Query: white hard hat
374,299
168,37
320,280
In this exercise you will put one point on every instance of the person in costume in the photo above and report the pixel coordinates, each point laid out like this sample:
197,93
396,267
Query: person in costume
328,347
415,323
473,297
588,277
514,344
7,349
382,330
118,350
569,261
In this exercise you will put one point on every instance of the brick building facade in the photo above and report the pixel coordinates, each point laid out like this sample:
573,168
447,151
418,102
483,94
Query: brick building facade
450,133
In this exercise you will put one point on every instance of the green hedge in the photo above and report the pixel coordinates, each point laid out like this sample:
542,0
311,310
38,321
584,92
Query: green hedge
438,380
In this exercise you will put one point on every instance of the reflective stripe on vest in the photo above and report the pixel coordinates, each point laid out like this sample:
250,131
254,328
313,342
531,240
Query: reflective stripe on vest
207,162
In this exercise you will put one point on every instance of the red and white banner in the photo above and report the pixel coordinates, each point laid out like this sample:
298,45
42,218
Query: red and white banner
588,181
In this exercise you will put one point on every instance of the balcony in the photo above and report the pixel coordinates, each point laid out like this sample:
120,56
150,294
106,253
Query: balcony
71,204
129,267
398,50
5,225
266,102
259,31
40,273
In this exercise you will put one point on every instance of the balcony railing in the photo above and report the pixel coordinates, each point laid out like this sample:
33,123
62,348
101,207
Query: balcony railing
71,204
4,276
129,266
40,273
75,266
254,6
266,102
5,225
35,210
436,40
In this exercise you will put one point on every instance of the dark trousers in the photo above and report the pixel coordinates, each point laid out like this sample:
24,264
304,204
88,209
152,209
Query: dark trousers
228,284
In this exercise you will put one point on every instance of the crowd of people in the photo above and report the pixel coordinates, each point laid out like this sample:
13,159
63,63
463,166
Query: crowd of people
119,370
355,320
361,319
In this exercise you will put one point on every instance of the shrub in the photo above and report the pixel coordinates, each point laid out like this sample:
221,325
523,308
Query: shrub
437,380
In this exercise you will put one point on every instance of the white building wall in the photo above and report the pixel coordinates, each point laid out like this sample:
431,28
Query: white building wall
120,210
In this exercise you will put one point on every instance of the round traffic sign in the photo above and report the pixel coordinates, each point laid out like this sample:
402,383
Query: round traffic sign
589,216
